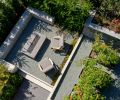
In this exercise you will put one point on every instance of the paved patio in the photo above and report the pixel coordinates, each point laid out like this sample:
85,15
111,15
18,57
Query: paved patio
72,75
29,65
31,91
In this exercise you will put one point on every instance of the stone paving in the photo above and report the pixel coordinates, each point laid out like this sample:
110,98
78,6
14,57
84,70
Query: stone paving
72,74
30,65
31,91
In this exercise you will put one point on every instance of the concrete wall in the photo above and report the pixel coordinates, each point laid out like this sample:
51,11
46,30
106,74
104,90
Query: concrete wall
90,30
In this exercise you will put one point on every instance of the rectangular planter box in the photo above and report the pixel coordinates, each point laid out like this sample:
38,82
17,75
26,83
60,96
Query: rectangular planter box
90,29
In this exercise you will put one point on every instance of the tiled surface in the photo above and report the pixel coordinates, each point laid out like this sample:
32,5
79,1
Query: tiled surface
30,65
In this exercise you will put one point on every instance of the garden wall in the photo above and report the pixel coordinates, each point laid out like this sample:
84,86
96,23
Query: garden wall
90,29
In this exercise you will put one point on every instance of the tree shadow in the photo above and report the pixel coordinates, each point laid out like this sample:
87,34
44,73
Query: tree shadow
24,92
20,60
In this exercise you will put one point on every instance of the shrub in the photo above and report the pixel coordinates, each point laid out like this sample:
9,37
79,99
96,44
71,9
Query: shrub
10,10
105,54
8,83
70,14
110,8
93,81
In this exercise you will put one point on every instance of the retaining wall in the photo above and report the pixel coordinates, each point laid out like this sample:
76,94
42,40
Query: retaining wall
90,30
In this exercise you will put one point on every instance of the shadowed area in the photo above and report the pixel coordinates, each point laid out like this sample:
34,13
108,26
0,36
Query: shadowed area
31,91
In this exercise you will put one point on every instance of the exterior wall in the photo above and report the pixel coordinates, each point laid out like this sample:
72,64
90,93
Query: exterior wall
20,26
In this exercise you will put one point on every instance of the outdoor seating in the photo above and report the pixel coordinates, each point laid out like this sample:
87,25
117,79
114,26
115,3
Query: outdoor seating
33,45
46,65
57,43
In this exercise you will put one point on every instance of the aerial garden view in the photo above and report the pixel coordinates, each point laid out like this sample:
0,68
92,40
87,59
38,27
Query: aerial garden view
99,78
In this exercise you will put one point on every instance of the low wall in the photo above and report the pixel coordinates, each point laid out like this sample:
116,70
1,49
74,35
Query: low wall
20,26
90,30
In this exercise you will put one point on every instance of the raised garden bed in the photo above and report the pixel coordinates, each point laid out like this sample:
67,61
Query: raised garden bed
91,83
104,54
94,80
108,15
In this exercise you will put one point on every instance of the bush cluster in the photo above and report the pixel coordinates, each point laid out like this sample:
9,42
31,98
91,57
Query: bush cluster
106,55
91,83
8,83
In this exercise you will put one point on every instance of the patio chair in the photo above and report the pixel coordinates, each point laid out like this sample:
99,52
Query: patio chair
46,65
57,43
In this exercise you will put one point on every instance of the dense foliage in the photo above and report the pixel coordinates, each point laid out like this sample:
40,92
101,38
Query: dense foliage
4,75
110,8
92,81
70,14
10,10
105,54
8,83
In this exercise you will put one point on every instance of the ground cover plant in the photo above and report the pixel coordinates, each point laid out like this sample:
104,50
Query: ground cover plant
105,54
93,80
8,83
108,15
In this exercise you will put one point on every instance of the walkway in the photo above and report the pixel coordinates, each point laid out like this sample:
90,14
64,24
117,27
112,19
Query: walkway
31,91
72,76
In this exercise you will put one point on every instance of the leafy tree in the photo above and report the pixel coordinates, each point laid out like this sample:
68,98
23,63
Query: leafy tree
70,14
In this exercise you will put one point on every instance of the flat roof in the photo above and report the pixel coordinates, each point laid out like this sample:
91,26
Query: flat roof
31,65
